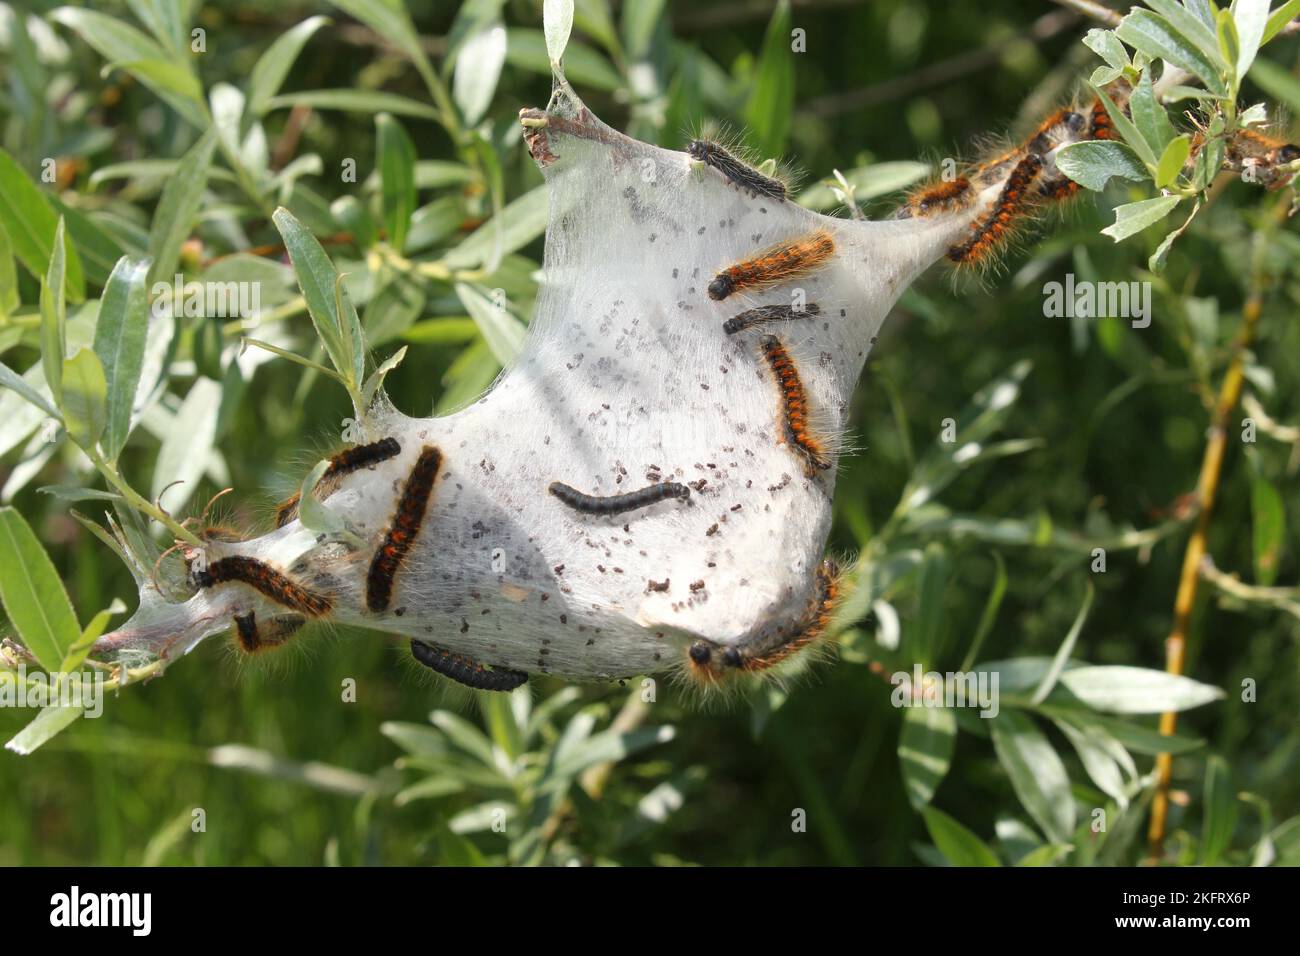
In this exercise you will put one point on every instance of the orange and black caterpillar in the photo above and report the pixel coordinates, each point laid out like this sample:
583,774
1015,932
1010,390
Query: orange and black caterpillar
1063,126
995,228
401,535
709,662
253,638
794,407
942,196
785,260
617,504
344,463
1099,121
266,580
765,314
464,670
743,175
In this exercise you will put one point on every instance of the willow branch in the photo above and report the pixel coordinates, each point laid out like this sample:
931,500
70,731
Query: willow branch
1207,491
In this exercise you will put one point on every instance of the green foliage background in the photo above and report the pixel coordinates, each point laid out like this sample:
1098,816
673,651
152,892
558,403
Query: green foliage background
1117,415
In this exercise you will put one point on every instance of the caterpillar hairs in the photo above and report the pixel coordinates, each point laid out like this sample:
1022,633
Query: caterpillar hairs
778,263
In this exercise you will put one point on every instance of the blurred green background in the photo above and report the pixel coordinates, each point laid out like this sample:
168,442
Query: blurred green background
1118,415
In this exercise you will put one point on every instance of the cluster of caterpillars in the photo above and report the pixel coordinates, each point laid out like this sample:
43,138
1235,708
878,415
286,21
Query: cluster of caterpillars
299,603
1028,176
1031,181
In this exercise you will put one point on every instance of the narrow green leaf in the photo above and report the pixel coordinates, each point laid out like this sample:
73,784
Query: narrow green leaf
557,23
921,642
1118,689
54,318
1134,217
166,21
397,178
1065,650
354,101
478,68
177,207
1269,526
33,596
15,382
227,103
273,66
959,846
1279,18
316,278
315,515
119,42
376,380
925,748
8,276
85,398
97,249
1141,740
1251,21
1220,817
43,727
771,102
164,76
90,634
1037,774
1229,43
29,221
1098,759
119,342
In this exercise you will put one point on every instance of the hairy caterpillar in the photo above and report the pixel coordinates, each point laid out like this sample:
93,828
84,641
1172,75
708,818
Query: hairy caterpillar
617,504
1249,149
942,196
779,263
253,637
709,663
266,580
993,230
794,407
766,314
403,530
344,463
743,175
464,670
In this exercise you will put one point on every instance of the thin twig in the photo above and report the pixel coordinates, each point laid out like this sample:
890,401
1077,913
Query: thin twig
1283,599
1093,10
1207,490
